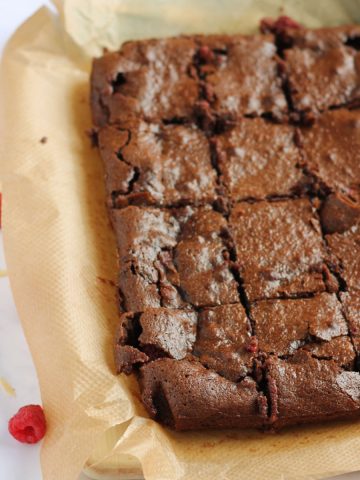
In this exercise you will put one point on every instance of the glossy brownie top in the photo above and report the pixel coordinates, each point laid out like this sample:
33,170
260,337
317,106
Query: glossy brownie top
233,185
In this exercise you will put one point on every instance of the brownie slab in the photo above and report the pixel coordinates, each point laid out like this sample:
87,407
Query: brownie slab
259,159
173,258
233,182
156,164
304,389
186,395
279,248
332,150
322,67
315,324
241,75
148,79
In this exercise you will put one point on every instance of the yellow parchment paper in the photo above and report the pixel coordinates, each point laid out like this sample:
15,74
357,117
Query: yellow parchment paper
61,256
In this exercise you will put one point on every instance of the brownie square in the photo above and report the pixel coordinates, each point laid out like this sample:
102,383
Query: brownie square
304,389
345,248
351,304
223,341
156,164
186,395
241,75
323,67
148,78
154,333
314,324
332,150
259,159
279,248
173,258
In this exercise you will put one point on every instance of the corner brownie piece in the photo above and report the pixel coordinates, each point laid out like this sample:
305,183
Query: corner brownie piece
259,159
148,78
155,164
315,324
186,395
304,389
173,258
279,248
332,150
241,75
322,67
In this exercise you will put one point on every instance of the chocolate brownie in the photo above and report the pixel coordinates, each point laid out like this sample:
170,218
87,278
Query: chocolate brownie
304,389
186,395
279,248
322,67
173,258
150,79
342,220
339,213
233,186
345,248
253,157
224,341
315,324
351,303
332,150
219,337
157,332
240,75
154,164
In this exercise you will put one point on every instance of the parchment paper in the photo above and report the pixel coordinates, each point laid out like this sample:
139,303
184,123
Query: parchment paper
61,256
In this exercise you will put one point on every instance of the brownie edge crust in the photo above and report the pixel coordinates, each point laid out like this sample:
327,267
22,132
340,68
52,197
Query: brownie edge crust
233,187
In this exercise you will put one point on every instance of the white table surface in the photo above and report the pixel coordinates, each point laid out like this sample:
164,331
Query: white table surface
18,461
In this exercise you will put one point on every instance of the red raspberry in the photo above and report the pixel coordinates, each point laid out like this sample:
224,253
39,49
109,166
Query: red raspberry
252,346
28,425
269,25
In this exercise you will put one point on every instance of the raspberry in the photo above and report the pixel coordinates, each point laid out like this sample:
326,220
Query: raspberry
269,25
252,346
28,425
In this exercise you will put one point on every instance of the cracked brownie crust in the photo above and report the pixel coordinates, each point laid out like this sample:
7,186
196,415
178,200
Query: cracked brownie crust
233,185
